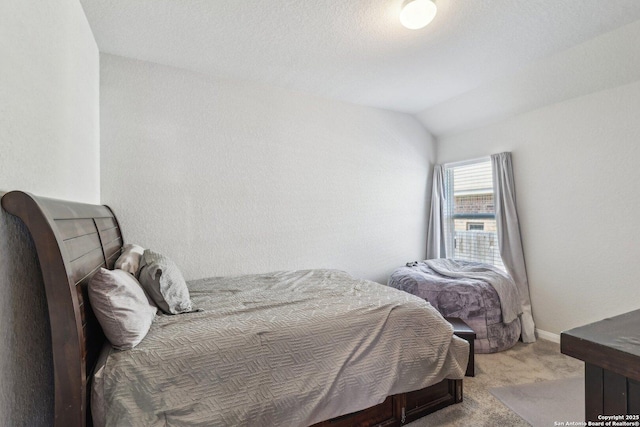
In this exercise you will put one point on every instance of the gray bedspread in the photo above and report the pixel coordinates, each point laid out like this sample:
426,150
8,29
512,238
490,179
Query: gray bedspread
279,349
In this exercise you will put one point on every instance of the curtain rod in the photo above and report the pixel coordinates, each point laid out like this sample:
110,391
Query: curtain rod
465,162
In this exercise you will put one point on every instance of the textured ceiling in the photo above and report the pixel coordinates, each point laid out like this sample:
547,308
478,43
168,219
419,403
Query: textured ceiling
357,51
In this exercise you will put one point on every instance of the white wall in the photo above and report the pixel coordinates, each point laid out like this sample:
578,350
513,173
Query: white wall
576,166
49,145
227,177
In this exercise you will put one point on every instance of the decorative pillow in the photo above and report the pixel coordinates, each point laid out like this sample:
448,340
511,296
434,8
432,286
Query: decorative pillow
164,283
121,306
129,260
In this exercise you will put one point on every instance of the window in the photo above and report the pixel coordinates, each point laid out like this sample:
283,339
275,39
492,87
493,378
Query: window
470,213
477,226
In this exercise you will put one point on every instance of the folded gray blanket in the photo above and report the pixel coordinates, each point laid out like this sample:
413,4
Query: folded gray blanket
501,281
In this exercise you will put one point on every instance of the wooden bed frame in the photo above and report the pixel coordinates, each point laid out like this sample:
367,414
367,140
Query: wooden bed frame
73,240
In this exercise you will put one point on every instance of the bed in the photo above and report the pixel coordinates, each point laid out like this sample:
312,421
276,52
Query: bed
75,240
472,300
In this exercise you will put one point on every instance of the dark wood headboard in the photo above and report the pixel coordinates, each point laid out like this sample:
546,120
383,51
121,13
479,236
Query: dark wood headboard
73,241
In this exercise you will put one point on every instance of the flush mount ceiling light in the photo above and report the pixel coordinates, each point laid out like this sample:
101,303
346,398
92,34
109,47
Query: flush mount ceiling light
416,14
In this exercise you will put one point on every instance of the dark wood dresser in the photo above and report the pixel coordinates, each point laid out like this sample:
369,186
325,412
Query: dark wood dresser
610,349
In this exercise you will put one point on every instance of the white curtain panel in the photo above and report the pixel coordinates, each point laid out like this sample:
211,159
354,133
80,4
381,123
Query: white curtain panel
435,231
509,238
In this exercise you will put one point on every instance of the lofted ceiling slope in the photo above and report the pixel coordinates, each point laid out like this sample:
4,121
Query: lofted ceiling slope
476,62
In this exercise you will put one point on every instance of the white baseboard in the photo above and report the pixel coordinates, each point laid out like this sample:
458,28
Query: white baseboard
549,336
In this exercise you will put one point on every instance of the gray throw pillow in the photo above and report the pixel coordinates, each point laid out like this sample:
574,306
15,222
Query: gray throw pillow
130,259
121,306
163,281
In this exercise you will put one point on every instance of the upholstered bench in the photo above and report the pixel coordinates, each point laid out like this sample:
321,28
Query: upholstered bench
462,330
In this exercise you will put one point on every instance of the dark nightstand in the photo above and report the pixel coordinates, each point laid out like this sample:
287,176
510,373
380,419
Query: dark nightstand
462,330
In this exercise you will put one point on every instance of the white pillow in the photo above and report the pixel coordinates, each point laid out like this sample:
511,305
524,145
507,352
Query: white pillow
129,260
121,306
164,283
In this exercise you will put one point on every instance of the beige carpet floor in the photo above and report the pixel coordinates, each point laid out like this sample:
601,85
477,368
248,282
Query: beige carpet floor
545,403
522,364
